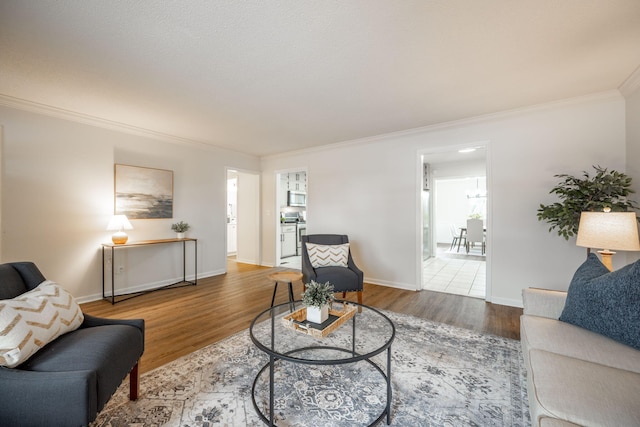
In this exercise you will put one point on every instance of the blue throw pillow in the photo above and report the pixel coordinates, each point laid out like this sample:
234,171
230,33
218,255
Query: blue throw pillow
605,302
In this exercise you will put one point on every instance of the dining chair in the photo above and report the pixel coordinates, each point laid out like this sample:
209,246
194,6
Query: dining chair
455,235
475,233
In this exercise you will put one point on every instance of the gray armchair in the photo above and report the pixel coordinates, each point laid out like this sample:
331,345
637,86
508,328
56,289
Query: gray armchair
68,381
343,279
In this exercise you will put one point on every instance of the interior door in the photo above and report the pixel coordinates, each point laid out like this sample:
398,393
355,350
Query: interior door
248,218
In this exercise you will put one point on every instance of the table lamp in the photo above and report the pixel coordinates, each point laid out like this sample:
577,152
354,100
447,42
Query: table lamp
608,230
120,223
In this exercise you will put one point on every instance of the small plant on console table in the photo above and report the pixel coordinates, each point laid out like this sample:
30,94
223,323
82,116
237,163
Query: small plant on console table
180,228
317,297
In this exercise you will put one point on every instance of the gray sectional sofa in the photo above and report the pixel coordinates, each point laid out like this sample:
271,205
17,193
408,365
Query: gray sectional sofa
576,377
70,379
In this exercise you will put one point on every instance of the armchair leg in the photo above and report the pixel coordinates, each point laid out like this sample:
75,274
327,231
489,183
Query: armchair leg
134,382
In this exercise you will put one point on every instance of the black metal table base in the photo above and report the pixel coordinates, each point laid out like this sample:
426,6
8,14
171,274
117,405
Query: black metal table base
386,412
292,303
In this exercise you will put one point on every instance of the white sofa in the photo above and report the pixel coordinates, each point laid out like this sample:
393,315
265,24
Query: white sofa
575,377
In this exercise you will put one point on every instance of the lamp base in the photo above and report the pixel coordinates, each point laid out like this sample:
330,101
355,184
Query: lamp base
606,258
119,238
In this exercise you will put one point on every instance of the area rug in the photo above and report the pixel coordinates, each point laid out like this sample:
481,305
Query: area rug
441,376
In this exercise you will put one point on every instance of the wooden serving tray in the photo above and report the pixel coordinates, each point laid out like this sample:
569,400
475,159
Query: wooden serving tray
298,321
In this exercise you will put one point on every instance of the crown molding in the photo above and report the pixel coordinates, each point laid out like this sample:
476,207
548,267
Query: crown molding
631,84
609,94
74,116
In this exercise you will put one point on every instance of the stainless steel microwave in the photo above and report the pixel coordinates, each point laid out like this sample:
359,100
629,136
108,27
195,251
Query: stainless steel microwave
296,198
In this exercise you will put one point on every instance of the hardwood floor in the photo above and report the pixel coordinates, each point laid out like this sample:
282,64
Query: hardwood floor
179,321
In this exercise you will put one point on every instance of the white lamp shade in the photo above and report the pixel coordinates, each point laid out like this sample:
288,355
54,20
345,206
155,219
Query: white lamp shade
119,222
609,230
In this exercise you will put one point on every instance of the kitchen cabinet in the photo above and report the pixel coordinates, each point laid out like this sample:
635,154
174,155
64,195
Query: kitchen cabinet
288,240
294,181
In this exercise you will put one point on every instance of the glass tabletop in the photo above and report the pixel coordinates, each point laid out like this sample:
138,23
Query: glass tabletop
366,334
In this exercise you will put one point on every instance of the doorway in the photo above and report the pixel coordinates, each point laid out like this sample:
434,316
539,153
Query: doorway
454,190
243,216
292,218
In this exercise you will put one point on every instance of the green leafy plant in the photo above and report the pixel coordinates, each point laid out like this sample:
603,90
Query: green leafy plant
318,294
606,189
180,227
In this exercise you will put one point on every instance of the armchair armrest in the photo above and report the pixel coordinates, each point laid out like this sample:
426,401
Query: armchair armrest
352,266
543,302
36,398
93,321
308,272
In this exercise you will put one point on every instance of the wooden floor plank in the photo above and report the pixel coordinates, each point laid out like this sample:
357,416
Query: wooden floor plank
182,320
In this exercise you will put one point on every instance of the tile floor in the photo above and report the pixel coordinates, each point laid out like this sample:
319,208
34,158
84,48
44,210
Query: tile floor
291,262
455,274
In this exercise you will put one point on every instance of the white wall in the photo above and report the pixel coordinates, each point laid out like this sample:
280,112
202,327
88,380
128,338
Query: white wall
451,205
449,191
633,147
369,190
57,198
57,193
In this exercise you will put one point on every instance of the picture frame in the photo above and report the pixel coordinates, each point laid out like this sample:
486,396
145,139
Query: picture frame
142,192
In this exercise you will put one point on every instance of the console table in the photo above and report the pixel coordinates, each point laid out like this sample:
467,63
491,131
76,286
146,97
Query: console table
110,247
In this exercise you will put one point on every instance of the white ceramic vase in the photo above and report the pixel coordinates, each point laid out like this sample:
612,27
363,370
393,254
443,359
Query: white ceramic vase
317,314
179,235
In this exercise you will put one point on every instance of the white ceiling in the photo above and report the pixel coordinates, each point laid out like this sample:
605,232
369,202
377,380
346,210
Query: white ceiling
265,77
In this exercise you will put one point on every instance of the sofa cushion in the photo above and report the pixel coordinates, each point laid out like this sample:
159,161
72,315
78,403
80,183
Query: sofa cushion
328,255
563,338
581,392
605,302
33,319
342,279
105,350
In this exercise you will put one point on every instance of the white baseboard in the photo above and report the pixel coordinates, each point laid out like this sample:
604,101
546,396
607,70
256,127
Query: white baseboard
397,285
507,301
148,286
247,261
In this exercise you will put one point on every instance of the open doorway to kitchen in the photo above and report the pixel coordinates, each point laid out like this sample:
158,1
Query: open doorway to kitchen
454,191
292,219
243,216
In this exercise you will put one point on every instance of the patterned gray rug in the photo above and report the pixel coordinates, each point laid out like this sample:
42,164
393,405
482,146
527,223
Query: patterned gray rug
441,376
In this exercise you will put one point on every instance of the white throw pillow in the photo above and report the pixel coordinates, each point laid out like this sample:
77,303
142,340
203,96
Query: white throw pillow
328,255
32,320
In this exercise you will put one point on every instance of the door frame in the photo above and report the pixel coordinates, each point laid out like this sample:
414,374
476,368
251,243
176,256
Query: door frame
249,210
422,155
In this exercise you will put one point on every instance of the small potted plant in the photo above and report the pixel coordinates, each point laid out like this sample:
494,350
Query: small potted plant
317,298
180,228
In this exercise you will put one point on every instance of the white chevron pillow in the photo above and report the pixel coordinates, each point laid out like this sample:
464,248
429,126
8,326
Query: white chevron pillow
328,255
32,320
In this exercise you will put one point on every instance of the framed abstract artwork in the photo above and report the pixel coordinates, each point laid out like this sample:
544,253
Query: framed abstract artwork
143,193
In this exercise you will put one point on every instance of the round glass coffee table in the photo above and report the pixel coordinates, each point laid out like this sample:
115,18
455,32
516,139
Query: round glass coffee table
334,376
